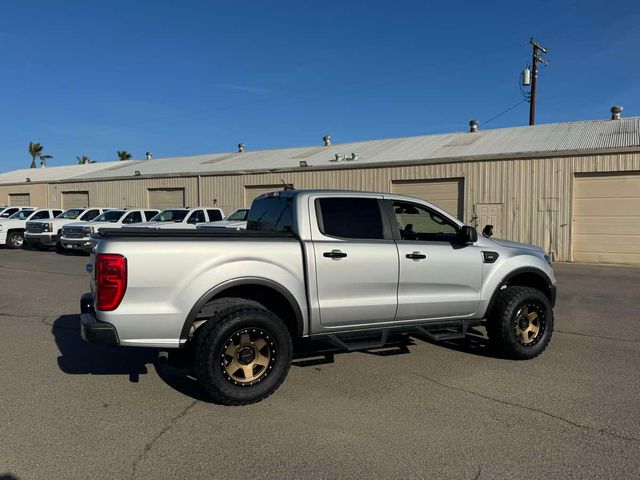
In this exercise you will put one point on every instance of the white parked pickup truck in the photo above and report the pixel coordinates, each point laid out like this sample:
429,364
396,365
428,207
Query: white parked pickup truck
44,234
348,267
237,221
77,235
183,218
6,212
12,229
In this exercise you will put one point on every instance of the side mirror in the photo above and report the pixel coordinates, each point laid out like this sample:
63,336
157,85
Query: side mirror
487,231
467,234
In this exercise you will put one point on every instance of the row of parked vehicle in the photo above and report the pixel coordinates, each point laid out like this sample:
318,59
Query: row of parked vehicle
45,228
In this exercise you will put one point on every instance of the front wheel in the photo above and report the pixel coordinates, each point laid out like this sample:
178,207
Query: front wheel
243,354
520,323
15,240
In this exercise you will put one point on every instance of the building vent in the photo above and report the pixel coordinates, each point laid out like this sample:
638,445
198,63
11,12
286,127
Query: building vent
327,140
473,126
616,112
240,147
148,155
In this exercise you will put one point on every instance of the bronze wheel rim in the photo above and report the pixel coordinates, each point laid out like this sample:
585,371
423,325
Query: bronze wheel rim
529,324
248,356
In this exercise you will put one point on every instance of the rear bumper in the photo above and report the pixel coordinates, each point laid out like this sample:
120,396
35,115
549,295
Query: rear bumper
93,330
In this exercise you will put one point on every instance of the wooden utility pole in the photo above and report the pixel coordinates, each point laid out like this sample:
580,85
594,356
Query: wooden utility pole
537,48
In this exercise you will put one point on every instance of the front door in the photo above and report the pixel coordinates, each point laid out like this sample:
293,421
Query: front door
356,262
439,277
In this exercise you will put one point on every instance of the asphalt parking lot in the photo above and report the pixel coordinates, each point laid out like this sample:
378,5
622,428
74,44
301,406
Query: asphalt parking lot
73,410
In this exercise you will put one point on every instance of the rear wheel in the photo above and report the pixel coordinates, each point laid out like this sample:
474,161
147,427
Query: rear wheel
521,323
243,354
15,240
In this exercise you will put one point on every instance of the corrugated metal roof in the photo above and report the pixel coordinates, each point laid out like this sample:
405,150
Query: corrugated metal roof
505,142
60,173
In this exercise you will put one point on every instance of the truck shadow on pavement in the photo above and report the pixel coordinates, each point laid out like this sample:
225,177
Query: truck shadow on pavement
78,357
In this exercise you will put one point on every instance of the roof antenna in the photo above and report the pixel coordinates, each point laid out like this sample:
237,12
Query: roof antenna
286,186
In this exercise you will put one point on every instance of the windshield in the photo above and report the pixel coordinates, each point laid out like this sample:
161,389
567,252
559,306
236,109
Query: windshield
170,216
22,214
110,216
239,215
72,213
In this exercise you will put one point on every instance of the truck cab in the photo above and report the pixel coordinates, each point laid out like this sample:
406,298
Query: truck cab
185,218
12,229
44,234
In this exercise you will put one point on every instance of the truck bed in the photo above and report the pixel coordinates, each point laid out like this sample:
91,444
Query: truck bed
127,232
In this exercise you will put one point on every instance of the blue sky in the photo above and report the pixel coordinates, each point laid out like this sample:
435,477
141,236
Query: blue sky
179,78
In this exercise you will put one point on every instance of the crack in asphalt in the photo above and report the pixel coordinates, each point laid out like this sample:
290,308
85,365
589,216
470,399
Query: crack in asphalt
149,446
532,409
477,477
630,340
83,275
44,320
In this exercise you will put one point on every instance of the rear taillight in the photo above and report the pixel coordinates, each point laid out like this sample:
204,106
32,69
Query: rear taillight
111,280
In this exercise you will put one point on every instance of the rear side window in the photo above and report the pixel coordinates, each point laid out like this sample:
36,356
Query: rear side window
271,214
56,213
214,215
350,218
149,214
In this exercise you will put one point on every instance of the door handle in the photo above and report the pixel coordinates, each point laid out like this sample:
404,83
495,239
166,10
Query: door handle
334,254
416,256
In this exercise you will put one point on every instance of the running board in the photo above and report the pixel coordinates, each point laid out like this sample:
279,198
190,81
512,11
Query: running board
437,332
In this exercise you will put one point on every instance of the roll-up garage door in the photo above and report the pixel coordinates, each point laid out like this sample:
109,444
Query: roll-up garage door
253,191
446,194
162,198
75,200
606,219
19,199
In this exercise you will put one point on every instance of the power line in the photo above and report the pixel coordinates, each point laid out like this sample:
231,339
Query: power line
502,113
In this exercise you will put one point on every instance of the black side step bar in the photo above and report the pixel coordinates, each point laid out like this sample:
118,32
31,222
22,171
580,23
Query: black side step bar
439,332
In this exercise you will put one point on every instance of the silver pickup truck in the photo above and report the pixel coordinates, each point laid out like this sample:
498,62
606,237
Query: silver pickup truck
349,267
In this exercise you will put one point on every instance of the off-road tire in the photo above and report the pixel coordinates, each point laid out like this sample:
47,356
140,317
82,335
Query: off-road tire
502,323
10,240
234,319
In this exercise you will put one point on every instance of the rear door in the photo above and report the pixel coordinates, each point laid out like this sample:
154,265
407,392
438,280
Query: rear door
439,276
356,261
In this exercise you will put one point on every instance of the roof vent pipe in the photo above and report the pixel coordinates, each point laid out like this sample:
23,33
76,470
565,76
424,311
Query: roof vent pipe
240,147
148,155
327,140
616,112
473,126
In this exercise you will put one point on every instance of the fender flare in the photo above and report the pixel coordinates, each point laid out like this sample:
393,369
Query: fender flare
184,334
505,281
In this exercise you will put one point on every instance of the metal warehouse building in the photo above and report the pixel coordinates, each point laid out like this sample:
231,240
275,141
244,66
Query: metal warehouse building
572,188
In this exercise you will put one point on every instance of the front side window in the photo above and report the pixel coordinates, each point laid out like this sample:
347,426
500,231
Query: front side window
196,217
110,216
72,213
170,216
40,215
133,217
350,218
416,222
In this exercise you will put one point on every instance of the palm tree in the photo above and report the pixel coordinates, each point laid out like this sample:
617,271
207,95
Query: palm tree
44,158
35,150
84,160
124,155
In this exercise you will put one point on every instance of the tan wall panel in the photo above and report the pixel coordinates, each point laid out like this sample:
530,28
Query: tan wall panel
163,198
19,199
37,193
